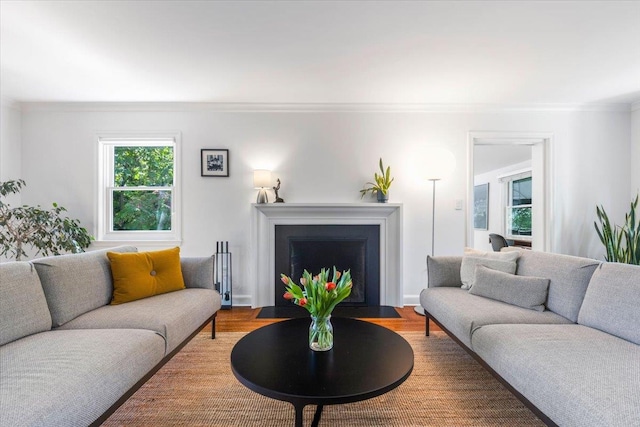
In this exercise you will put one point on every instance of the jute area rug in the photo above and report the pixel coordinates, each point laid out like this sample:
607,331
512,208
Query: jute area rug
446,388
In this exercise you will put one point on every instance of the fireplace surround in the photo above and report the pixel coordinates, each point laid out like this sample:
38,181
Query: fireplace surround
265,218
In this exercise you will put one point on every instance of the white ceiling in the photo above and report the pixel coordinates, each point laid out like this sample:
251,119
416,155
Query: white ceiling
390,52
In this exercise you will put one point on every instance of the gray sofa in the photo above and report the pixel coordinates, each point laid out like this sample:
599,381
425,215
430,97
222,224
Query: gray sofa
577,363
67,357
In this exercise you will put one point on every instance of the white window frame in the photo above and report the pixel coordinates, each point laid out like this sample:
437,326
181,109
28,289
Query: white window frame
506,180
106,144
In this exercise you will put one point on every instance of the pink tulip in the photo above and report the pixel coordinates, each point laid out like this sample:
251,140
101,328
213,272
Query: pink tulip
303,281
302,302
330,286
288,295
285,280
338,274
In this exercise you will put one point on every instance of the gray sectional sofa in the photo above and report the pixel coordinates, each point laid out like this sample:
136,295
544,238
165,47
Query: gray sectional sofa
577,363
67,357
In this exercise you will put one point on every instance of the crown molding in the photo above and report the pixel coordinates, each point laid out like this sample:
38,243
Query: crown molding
317,107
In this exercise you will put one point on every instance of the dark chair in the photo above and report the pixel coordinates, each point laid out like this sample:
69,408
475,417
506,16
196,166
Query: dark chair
497,242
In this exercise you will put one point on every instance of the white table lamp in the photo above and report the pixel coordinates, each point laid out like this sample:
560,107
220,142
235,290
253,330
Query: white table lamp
262,181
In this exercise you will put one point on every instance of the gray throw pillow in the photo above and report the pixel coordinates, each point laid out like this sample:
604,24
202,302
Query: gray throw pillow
523,291
469,264
505,254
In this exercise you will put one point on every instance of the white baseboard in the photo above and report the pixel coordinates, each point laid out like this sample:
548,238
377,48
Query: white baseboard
411,299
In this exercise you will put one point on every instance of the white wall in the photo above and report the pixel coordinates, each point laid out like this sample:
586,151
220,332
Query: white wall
10,138
327,157
481,237
635,150
10,146
588,171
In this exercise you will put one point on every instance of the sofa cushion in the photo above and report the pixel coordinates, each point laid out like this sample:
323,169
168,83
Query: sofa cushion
70,378
462,313
174,315
23,306
568,278
469,264
144,274
506,255
444,271
197,272
612,301
76,283
502,261
523,291
577,376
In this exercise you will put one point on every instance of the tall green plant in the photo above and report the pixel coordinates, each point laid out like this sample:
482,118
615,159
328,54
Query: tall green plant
46,231
632,234
622,243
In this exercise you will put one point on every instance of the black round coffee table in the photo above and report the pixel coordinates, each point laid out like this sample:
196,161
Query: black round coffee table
366,361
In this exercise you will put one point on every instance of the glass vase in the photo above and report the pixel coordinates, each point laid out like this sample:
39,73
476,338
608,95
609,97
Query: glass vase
321,333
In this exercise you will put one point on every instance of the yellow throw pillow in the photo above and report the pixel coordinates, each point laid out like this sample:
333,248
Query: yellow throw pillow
138,275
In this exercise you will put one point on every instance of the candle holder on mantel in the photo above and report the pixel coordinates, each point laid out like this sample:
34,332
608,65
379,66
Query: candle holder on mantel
275,190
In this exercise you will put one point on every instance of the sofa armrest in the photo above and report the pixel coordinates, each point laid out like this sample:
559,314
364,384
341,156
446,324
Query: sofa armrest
444,271
197,272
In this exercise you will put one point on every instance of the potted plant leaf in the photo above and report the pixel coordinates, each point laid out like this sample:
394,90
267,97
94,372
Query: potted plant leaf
48,232
381,184
622,243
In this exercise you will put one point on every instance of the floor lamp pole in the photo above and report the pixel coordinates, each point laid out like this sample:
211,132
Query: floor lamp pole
433,217
418,309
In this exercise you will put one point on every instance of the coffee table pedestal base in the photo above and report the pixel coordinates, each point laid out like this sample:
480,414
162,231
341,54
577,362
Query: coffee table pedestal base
299,415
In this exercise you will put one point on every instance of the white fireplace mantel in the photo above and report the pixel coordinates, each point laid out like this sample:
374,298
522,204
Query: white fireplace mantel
266,216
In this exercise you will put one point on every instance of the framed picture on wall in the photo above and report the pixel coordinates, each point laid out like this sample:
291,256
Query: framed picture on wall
214,162
481,207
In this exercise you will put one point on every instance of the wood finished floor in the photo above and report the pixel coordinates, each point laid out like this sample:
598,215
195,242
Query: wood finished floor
243,319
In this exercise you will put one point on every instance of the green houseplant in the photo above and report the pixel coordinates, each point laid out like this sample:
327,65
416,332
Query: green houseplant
381,184
46,231
622,243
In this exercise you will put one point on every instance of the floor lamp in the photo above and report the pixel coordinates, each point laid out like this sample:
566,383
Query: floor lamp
439,164
433,216
418,308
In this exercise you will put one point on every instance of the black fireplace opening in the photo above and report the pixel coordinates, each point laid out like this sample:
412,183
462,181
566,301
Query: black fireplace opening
347,247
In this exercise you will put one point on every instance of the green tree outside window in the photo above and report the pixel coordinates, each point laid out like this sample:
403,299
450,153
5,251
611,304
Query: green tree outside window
142,188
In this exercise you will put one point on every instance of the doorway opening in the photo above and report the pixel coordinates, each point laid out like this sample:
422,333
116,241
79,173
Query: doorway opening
509,189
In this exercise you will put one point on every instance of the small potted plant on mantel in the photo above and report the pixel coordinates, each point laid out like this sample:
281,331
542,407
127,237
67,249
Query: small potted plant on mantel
381,184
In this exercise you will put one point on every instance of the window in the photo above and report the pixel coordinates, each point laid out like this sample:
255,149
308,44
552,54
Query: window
139,198
518,206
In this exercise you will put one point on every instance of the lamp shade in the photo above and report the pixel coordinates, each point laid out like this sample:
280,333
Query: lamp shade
262,178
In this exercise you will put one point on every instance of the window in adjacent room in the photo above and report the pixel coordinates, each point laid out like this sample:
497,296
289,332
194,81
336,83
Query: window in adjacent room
139,189
518,206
